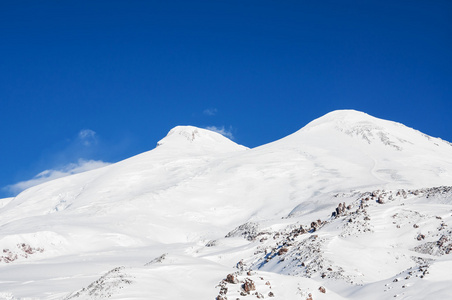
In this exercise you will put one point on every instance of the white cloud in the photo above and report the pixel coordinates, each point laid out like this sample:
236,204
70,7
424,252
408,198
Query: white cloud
47,175
221,130
210,111
87,137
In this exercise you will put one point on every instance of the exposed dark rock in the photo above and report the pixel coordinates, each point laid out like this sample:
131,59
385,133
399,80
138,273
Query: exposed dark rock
248,230
283,250
248,286
230,278
159,259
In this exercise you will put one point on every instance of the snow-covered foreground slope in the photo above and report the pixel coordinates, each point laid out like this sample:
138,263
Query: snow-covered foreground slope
174,222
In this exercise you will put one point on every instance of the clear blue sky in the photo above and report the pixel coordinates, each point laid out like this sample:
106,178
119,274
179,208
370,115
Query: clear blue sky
105,80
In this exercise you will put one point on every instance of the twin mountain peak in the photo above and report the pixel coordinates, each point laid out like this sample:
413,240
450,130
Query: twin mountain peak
339,128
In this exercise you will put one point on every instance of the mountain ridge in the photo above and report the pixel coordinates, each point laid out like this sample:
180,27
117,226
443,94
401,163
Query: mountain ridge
201,200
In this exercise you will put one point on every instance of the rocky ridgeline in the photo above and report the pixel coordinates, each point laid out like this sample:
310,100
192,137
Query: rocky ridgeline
249,231
382,196
355,213
104,287
157,260
297,249
358,221
22,251
302,257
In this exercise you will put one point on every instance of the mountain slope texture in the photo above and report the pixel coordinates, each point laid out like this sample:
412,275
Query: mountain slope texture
348,207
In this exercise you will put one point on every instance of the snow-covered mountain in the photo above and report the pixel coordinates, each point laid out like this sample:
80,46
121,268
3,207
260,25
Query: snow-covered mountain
352,205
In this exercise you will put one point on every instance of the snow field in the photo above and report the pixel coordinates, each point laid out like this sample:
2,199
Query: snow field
213,208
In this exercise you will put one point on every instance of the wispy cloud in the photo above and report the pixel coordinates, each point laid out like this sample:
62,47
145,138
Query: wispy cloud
210,111
221,130
72,168
87,137
80,153
85,145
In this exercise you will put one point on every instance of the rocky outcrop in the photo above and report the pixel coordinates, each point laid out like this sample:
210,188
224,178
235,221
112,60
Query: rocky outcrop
104,287
23,250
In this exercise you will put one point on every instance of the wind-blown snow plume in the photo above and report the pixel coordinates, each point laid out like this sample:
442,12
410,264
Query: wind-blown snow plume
222,130
48,175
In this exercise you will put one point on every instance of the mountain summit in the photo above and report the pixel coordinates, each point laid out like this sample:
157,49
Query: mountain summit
373,131
349,205
184,137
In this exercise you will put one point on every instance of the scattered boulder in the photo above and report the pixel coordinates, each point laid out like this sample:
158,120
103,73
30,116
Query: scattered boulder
211,243
230,278
322,289
223,290
442,240
283,250
240,265
248,286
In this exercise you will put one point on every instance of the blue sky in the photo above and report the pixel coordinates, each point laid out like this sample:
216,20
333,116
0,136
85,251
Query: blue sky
87,82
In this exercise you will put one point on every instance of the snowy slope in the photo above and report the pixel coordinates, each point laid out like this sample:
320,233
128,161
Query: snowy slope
174,221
